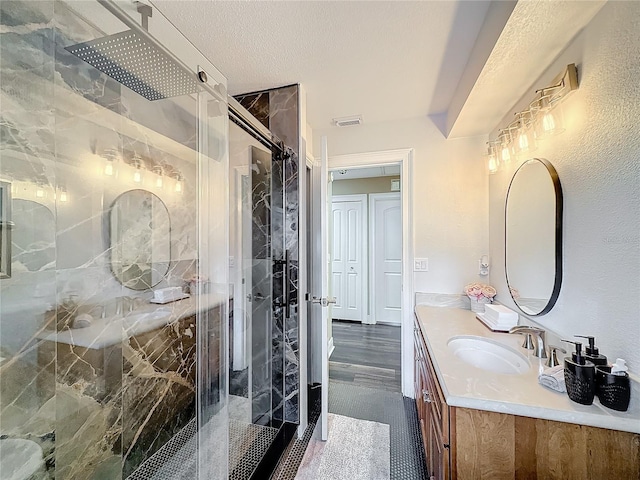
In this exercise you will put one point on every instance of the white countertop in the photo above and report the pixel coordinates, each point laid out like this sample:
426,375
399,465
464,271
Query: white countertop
111,331
470,387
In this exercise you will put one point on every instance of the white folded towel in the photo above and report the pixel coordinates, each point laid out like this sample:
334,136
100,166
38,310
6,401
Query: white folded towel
553,378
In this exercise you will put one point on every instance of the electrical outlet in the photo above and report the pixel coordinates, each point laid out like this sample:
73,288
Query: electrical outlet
421,265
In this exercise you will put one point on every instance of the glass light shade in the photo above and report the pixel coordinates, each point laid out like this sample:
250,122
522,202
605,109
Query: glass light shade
110,156
64,198
549,120
505,151
39,192
137,176
492,164
526,141
492,159
179,185
159,180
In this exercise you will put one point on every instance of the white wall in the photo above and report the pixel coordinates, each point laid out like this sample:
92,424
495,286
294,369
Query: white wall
450,195
598,161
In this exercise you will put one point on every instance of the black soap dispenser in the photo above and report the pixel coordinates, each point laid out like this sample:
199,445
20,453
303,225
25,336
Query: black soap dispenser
579,376
591,352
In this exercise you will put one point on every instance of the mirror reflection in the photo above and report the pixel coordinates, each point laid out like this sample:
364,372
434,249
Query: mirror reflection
533,235
140,239
6,225
33,236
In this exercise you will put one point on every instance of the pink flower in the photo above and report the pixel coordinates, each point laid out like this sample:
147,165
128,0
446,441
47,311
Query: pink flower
480,291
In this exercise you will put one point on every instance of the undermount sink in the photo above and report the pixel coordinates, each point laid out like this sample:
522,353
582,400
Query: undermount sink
488,354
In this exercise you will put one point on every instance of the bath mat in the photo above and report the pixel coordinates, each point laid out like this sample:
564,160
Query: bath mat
356,450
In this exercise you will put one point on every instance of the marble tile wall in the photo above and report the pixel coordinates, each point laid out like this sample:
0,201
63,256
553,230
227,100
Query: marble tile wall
277,109
94,412
261,289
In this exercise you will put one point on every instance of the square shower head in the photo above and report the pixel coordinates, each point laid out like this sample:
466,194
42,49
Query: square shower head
137,64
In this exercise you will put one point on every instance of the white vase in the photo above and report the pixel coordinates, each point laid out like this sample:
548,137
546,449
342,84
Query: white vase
477,305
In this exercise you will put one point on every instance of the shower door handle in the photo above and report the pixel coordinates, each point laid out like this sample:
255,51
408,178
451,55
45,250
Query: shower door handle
286,265
287,312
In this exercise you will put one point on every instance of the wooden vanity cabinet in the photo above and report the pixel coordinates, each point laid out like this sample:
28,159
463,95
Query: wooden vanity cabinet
469,444
433,412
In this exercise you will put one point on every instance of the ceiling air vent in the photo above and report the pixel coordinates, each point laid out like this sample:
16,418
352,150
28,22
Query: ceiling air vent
348,121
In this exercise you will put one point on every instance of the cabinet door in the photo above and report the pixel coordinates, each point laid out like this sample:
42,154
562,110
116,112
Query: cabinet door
436,451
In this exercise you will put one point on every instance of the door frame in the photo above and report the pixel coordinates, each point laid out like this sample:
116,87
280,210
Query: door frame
373,198
364,290
403,157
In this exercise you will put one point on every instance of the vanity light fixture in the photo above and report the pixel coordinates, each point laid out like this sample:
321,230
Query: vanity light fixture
39,191
504,139
110,156
550,121
492,157
540,120
137,163
179,184
525,138
159,179
64,198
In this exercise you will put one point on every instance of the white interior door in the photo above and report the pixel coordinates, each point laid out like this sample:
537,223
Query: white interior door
348,246
321,298
386,247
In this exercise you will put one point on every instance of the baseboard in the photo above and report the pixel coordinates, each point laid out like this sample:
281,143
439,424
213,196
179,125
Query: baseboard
393,324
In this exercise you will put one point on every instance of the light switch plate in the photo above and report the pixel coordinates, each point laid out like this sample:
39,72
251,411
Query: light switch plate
420,264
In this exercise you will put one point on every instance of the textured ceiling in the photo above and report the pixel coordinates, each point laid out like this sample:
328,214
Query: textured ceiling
385,60
536,33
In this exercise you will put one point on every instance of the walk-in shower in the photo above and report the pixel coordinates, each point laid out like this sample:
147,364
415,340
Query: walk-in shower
259,276
113,163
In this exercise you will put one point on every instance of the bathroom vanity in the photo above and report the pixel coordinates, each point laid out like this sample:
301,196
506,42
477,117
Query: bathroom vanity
476,423
145,360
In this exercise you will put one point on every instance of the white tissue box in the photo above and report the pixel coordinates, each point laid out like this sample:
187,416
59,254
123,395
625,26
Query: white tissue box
498,318
501,314
168,294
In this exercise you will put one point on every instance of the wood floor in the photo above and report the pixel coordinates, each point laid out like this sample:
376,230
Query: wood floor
366,355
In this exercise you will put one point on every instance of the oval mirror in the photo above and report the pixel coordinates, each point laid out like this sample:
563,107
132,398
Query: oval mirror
139,239
533,237
33,236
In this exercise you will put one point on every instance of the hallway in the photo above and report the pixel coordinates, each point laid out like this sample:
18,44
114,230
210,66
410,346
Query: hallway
366,355
365,383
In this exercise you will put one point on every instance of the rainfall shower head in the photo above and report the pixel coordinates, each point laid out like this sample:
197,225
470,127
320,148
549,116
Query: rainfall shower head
137,63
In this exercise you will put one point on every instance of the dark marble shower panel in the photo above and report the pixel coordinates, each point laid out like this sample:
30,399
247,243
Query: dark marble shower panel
261,288
292,354
257,104
278,346
277,109
283,122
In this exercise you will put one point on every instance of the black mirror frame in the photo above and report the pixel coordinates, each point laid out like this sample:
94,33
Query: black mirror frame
557,283
110,234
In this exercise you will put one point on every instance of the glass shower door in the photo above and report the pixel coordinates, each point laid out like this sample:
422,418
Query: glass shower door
113,353
257,361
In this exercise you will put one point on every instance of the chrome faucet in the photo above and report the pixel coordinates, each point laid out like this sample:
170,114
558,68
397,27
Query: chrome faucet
539,347
123,303
553,355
